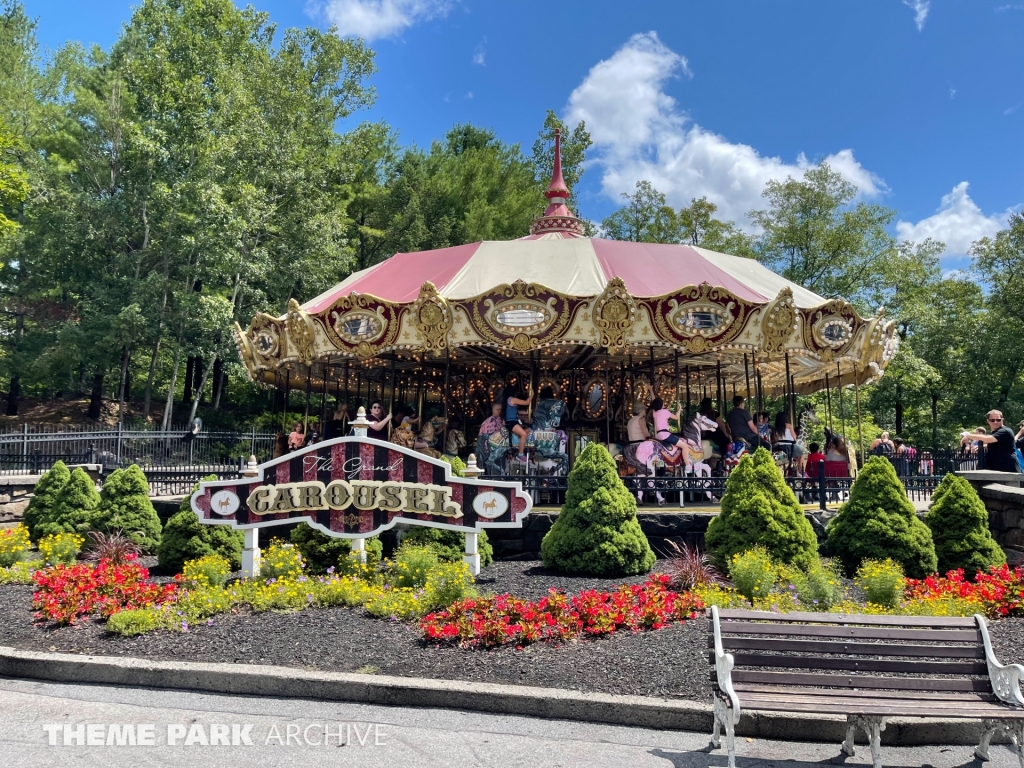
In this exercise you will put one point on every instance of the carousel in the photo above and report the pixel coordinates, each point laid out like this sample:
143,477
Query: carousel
585,327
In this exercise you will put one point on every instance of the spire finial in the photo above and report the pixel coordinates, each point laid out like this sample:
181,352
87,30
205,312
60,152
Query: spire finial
557,216
557,187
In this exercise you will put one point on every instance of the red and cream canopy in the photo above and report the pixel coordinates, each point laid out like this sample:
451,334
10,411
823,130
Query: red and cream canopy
568,298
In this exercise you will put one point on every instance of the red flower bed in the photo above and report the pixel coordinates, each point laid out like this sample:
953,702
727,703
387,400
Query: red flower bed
998,593
505,619
66,592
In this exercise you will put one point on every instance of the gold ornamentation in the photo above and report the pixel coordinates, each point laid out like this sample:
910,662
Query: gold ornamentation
521,342
300,332
779,322
707,312
614,314
351,520
483,312
433,316
366,310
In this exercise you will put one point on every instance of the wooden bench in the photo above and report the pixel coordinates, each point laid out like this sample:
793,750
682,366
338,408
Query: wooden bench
869,668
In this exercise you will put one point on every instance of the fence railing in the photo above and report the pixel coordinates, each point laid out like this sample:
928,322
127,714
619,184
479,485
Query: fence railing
35,449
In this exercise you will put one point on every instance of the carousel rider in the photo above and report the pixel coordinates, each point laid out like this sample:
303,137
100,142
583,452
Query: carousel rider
660,415
378,428
636,427
513,399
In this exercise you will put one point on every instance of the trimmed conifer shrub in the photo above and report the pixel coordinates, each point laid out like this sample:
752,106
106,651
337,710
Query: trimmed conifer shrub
597,532
125,506
74,509
321,551
44,497
759,509
879,522
185,538
959,524
449,545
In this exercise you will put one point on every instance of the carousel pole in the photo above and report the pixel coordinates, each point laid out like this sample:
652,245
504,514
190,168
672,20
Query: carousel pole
746,371
687,390
828,404
444,394
305,416
419,396
790,398
654,375
719,389
842,412
287,392
677,379
860,426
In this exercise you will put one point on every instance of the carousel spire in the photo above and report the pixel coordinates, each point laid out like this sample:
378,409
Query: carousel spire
557,217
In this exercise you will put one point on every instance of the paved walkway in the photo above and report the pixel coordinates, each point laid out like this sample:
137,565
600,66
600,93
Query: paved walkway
288,732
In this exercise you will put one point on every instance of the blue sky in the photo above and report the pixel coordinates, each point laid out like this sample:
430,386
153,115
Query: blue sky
918,102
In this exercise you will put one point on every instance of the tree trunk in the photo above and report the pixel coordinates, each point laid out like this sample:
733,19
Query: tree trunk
125,357
899,410
14,395
190,367
197,377
149,379
96,399
218,382
128,385
202,386
165,424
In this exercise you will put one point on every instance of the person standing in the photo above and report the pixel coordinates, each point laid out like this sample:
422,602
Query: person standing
999,446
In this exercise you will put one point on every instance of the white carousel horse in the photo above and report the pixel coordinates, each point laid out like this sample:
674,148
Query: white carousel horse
689,451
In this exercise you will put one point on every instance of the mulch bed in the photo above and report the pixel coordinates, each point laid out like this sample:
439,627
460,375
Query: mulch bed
670,662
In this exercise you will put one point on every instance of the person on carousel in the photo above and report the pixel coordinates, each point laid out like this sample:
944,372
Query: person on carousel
378,428
494,422
513,399
660,415
297,438
636,427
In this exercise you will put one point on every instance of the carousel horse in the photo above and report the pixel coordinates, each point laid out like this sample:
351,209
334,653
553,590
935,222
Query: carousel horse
545,439
689,451
424,441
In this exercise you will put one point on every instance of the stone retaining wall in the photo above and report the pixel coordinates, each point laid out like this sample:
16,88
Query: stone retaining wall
1003,495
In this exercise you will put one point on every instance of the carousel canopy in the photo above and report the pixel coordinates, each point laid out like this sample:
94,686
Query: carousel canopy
557,300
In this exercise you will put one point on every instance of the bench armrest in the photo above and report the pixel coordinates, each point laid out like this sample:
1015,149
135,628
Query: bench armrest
724,662
1005,678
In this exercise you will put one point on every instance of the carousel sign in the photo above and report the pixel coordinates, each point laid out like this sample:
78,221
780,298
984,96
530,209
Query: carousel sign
356,487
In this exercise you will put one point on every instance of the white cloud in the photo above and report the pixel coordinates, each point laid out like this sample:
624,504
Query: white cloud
480,53
639,132
952,93
372,19
469,94
958,222
920,8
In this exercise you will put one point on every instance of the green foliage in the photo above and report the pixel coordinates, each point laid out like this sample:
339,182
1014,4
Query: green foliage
321,551
401,604
457,464
185,538
44,496
449,545
60,548
446,583
597,532
959,525
753,573
125,506
879,522
135,621
75,508
281,561
818,588
412,565
208,571
19,573
882,581
760,509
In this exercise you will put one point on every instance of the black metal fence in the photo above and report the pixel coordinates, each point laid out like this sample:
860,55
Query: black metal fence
36,449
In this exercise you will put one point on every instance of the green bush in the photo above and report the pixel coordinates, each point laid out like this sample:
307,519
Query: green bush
60,548
446,583
753,573
185,538
759,509
321,551
19,573
207,571
959,525
882,582
457,464
818,588
44,496
597,532
74,509
412,565
125,506
136,621
879,522
281,561
449,545
399,604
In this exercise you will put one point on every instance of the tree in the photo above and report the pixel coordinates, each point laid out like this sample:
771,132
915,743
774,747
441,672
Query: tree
74,510
597,532
814,236
959,525
13,180
758,508
645,218
44,497
879,522
698,226
125,506
185,538
574,146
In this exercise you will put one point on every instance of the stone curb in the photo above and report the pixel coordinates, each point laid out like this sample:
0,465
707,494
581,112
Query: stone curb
548,703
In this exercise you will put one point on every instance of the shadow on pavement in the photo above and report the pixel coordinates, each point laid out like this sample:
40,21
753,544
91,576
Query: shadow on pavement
717,758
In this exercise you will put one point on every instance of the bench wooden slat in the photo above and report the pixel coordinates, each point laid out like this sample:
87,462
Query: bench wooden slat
871,633
845,618
859,664
819,705
875,694
853,649
820,680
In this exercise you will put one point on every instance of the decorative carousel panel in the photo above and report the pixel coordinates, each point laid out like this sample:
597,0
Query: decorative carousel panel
360,324
698,317
615,313
556,387
595,397
642,391
267,340
778,322
829,329
433,317
521,316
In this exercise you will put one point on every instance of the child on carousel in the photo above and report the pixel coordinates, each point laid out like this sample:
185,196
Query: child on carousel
513,400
